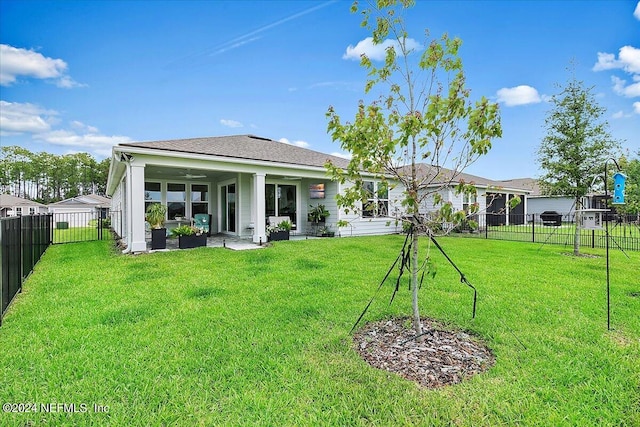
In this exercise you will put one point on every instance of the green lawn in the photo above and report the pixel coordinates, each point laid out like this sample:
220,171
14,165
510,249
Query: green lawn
80,234
215,337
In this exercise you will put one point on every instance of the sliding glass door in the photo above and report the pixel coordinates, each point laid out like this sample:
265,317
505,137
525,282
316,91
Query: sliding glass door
228,208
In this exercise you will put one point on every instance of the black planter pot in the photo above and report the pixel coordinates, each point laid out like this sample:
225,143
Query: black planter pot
188,242
278,235
158,238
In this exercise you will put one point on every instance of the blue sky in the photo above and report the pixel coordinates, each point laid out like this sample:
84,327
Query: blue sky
85,75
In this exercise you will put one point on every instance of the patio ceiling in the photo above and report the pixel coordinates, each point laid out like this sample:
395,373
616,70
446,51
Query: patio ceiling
191,174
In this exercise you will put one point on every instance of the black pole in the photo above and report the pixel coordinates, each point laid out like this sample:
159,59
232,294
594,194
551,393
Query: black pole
606,234
606,227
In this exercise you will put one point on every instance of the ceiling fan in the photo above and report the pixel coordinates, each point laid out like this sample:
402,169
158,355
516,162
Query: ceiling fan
193,176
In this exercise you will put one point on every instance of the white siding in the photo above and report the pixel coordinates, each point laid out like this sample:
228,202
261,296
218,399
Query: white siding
359,226
537,205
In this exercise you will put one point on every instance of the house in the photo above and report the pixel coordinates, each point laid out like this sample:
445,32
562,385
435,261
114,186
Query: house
80,211
239,180
491,196
538,202
16,206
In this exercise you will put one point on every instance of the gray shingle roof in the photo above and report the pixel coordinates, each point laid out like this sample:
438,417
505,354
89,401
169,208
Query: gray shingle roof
248,147
529,184
437,176
7,200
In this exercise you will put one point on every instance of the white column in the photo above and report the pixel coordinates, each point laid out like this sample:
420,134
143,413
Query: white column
506,207
137,242
259,206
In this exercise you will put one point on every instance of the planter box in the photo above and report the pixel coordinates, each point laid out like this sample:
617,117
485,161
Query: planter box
328,234
278,235
158,238
188,242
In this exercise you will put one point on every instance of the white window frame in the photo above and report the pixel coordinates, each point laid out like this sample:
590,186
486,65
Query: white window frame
376,200
468,200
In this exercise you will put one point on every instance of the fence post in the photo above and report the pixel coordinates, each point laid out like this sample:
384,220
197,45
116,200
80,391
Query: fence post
486,226
533,229
593,238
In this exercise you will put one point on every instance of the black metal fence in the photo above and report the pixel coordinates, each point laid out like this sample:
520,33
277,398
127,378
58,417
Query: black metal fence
81,226
624,232
23,240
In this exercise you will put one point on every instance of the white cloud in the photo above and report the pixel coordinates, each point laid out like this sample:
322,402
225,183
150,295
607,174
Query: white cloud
636,13
636,107
83,128
606,61
301,144
628,61
621,88
231,123
18,62
377,52
519,95
85,142
629,56
17,118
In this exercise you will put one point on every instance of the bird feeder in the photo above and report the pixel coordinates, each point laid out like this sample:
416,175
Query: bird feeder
591,219
619,180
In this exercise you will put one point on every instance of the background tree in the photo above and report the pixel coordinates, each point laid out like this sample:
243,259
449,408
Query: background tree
424,113
48,178
631,168
574,150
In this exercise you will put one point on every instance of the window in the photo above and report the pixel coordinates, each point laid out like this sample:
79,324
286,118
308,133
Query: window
176,200
18,211
376,203
280,200
152,194
32,211
468,201
199,199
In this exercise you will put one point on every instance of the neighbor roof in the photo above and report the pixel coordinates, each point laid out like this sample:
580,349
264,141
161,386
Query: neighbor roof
248,147
440,175
529,184
86,199
7,200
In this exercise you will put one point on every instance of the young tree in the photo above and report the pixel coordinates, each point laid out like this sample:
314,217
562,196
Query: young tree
424,114
572,155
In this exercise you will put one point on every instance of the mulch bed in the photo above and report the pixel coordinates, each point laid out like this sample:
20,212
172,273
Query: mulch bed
444,357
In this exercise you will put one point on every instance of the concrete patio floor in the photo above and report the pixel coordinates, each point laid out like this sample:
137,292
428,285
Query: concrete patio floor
221,241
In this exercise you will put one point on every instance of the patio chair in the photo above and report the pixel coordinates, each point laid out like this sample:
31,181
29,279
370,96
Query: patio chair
203,222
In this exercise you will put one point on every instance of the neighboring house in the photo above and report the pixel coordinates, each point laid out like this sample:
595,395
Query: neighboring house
239,180
16,206
491,197
537,202
79,211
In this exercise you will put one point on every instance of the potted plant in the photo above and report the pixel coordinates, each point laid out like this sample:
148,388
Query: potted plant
317,214
326,231
155,216
279,232
189,237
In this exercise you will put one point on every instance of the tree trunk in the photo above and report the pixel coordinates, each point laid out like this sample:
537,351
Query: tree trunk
576,237
414,286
